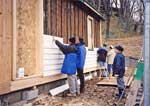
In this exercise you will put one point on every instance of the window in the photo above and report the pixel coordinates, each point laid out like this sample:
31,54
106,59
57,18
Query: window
90,32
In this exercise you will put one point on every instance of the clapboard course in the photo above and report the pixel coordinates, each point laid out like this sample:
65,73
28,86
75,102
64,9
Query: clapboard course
53,57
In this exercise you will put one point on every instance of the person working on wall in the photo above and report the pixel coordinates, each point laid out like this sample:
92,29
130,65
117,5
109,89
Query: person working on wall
119,70
69,65
81,55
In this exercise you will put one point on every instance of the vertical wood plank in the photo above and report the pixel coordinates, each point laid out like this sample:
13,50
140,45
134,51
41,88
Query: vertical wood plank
75,15
54,19
39,42
5,48
72,19
100,28
80,22
14,40
95,32
86,36
47,27
50,1
64,21
68,19
59,18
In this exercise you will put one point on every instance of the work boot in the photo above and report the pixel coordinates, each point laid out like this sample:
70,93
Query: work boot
82,90
121,94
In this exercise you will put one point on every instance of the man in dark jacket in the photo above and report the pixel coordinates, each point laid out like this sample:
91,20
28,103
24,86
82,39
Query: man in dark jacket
81,55
69,65
102,54
119,69
101,59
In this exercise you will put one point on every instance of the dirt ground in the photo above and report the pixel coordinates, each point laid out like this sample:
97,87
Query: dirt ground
93,96
96,95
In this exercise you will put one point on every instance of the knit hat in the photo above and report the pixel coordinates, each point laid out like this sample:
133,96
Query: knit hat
81,40
72,39
120,48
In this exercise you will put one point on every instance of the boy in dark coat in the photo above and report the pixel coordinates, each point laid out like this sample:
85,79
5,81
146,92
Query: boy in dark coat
81,55
102,54
69,65
119,69
101,59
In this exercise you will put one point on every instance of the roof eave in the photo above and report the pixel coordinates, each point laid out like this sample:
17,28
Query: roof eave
93,9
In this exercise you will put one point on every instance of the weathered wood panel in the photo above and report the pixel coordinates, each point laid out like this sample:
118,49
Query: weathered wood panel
72,19
5,45
1,18
85,28
66,18
59,21
80,22
1,59
64,21
54,17
1,25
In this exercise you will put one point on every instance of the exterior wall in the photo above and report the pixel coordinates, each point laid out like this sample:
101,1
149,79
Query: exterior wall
20,42
64,18
5,44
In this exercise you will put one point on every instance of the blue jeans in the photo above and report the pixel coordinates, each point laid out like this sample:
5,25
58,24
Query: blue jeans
120,83
101,63
110,68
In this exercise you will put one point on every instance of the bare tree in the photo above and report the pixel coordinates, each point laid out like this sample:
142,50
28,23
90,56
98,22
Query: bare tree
130,13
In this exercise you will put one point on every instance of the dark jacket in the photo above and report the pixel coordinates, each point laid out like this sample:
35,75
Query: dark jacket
81,55
119,65
102,54
69,65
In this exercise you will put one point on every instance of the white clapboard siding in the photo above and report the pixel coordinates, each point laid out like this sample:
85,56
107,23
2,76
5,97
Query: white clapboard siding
91,58
53,57
52,51
52,62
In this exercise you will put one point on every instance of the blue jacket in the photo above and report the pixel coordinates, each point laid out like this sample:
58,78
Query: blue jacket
119,65
81,55
69,65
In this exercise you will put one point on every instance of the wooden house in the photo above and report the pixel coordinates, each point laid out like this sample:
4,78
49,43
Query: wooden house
28,55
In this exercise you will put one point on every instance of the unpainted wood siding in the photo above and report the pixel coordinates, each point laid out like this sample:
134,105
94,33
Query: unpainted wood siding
5,45
63,18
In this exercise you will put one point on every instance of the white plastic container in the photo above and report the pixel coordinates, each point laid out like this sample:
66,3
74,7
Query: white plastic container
21,72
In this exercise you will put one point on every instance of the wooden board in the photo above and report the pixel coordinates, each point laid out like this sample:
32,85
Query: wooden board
133,93
1,60
112,81
1,25
5,45
27,27
4,87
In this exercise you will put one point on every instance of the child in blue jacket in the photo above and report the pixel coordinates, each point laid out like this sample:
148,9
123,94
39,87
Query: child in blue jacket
119,69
